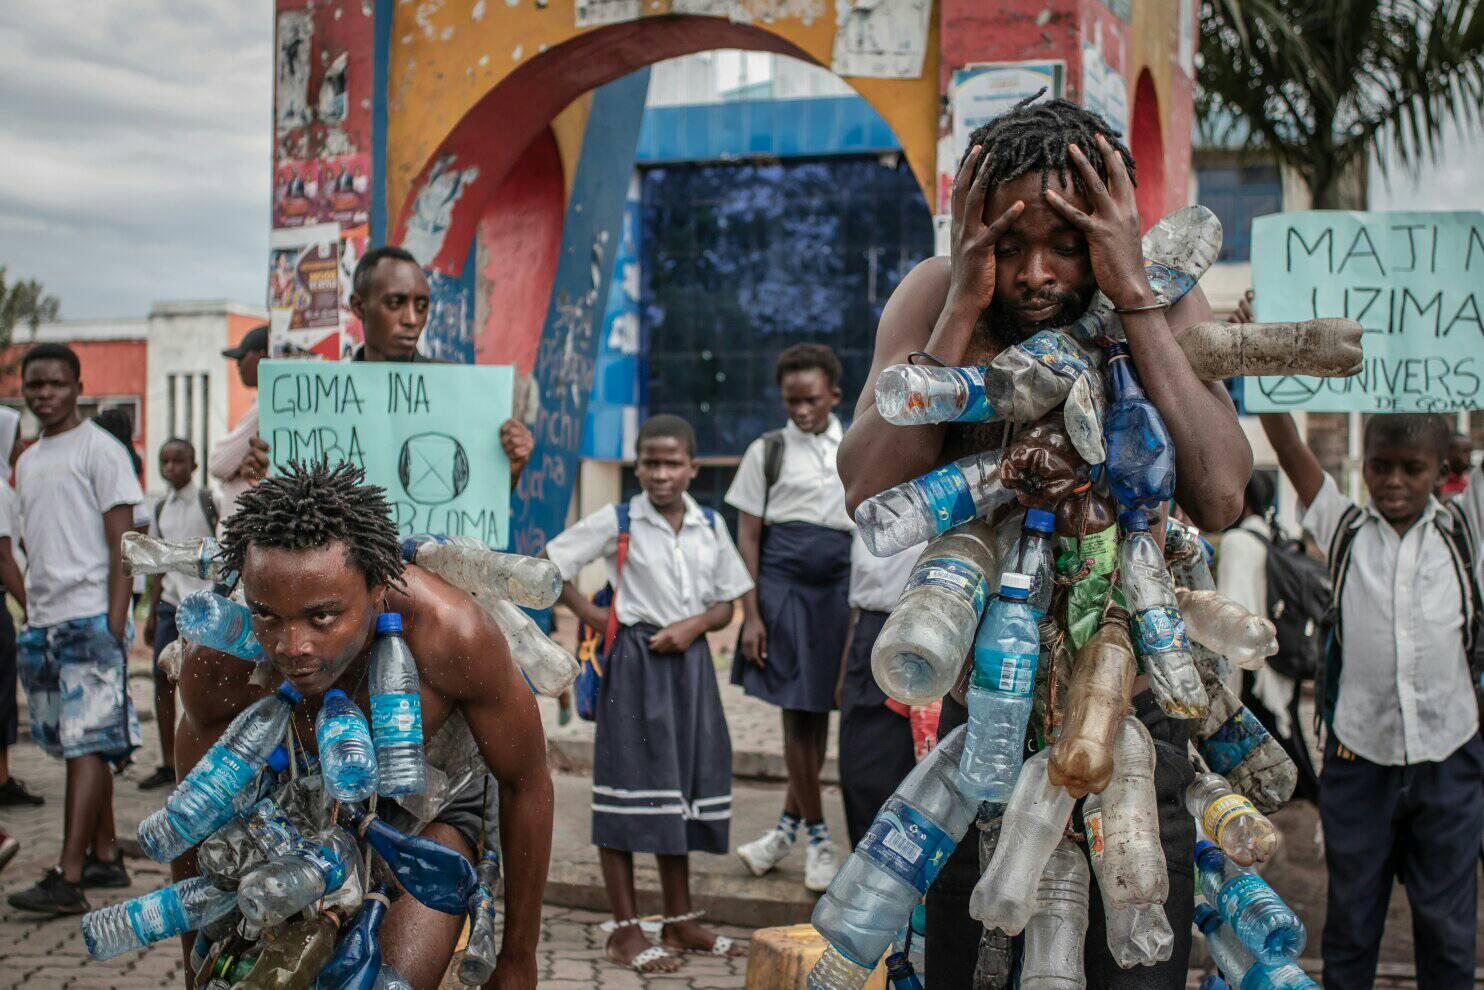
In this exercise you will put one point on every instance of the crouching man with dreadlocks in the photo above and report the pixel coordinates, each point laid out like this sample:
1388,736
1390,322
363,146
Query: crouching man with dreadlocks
1044,215
320,559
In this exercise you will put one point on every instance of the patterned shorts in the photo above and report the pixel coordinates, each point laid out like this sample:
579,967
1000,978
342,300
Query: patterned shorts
76,678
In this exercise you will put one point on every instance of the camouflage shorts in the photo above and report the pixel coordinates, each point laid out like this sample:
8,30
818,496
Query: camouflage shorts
76,678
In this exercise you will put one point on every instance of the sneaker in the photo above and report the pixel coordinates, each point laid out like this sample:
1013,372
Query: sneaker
8,848
762,854
98,873
52,895
820,866
163,776
13,794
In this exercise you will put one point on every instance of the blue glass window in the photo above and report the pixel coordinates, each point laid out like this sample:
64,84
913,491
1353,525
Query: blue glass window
1238,194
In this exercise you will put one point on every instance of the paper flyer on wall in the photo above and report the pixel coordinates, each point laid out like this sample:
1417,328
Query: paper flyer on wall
591,13
881,39
304,291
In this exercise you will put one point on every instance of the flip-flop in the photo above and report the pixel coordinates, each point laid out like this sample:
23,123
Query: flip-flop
650,955
721,947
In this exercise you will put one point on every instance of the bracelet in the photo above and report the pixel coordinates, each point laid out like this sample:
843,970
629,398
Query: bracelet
1140,309
912,358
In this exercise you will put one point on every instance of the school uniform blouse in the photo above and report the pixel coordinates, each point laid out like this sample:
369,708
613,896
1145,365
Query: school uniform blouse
877,582
809,489
668,576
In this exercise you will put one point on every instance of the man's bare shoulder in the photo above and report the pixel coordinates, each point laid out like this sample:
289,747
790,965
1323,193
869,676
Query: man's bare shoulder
923,290
214,687
449,634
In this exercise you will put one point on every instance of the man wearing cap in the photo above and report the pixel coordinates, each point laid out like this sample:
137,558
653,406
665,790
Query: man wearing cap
239,460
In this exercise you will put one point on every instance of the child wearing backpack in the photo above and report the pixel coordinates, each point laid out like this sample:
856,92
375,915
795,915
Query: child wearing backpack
662,756
1401,793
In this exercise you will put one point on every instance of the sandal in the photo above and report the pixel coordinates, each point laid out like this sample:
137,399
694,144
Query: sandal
721,947
640,963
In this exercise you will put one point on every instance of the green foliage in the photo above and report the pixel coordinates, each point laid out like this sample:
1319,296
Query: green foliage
22,303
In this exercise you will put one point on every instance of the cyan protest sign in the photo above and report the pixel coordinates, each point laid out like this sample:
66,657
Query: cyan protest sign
427,433
1411,280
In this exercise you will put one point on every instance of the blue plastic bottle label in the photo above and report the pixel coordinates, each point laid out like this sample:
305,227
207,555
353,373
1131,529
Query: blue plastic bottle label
1052,349
330,866
340,725
1239,892
953,575
978,409
946,492
1229,746
1169,284
211,784
397,718
1159,630
269,830
1007,673
906,844
156,916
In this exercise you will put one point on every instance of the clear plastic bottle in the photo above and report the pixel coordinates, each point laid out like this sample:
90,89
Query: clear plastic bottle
1226,628
294,956
346,755
1005,655
1326,348
1138,935
1034,555
921,648
993,968
396,711
532,582
1234,744
549,668
922,508
356,963
1084,414
259,834
1057,928
1097,699
286,885
391,979
1159,630
875,891
478,964
196,558
1236,962
1141,454
1034,822
1258,916
1134,867
1230,820
218,623
156,916
204,801
432,873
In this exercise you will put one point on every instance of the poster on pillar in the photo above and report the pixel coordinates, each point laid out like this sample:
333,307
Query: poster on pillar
881,39
304,296
1413,281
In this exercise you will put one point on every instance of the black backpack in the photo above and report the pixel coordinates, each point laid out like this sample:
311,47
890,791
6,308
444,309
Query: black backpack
1299,595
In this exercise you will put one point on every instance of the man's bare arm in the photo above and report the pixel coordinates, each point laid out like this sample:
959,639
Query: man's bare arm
116,522
749,545
10,574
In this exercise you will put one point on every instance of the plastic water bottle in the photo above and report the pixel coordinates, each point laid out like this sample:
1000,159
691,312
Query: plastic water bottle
1141,455
204,801
396,711
1236,961
391,979
901,974
1005,655
922,508
1139,934
1159,629
1230,820
285,886
886,876
478,964
1034,555
197,558
218,623
1256,913
466,563
156,916
921,648
346,756
1133,859
1097,697
1319,348
432,873
356,964
1057,928
259,834
291,959
1033,824
1226,628
1236,745
993,967
549,668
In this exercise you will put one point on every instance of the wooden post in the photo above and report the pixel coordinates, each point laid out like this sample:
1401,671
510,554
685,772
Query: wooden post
780,959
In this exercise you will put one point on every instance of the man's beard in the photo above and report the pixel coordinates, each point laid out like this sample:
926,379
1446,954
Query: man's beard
1006,328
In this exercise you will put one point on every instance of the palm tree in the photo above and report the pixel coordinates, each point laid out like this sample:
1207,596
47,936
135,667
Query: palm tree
22,302
1321,84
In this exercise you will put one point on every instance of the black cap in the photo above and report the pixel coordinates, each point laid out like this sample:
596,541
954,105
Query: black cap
255,339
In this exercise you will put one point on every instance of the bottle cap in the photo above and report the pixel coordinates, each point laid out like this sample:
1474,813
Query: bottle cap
409,548
1208,854
1115,349
1040,520
1133,519
1206,918
1017,586
335,693
278,760
897,965
389,622
290,692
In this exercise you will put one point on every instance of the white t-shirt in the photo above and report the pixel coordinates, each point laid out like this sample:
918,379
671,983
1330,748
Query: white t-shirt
181,518
808,489
877,582
65,484
10,515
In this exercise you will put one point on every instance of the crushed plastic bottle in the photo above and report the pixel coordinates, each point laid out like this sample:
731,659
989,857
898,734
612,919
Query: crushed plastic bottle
1042,467
922,508
1234,744
1097,699
531,582
478,964
1057,928
284,886
1033,824
1000,693
1258,916
154,917
1034,555
1236,961
199,558
1084,413
432,873
356,963
392,980
346,755
996,949
1141,454
292,957
396,711
1140,934
1227,629
257,835
1326,348
1230,820
549,668
875,891
1134,868
1159,630
218,623
1086,512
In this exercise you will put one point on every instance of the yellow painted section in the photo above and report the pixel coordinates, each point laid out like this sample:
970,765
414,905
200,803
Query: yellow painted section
1153,40
568,127
447,54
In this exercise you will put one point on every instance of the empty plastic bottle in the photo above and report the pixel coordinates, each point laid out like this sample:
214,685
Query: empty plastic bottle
1057,928
346,756
1236,962
392,980
921,648
1097,698
478,964
1230,820
431,872
875,891
549,668
204,801
1005,655
156,916
901,974
1140,934
218,623
396,711
294,956
993,967
1033,824
259,834
356,963
1319,348
1256,913
286,885
196,558
922,508
1042,467
1159,630
1134,867
1234,744
1034,555
1141,455
1084,414
1226,628
462,561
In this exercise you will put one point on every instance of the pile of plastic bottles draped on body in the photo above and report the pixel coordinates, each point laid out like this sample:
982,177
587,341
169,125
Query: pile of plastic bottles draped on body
1041,595
296,869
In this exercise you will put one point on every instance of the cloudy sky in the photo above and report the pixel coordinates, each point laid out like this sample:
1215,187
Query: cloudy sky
135,162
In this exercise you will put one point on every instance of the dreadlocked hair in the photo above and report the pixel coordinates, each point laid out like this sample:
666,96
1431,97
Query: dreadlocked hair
1033,137
314,505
